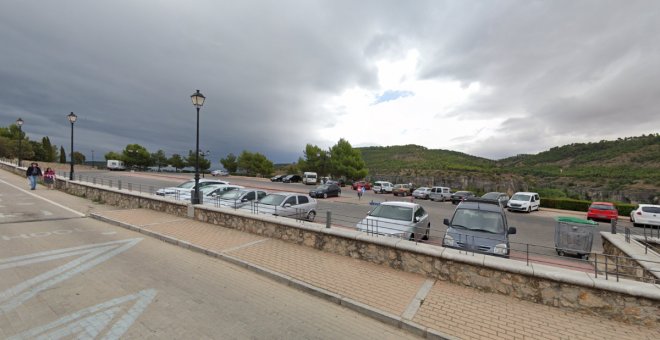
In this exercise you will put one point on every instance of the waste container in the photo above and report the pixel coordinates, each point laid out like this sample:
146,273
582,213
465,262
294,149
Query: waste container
574,236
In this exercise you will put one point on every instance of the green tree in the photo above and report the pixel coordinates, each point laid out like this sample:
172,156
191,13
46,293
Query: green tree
159,159
50,151
346,161
255,164
62,155
204,164
177,162
78,158
136,155
113,155
230,163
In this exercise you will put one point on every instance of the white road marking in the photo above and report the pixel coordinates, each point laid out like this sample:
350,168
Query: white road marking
88,323
94,255
42,198
46,213
109,233
414,305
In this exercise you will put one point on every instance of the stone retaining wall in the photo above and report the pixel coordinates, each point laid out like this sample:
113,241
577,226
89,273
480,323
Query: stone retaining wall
627,301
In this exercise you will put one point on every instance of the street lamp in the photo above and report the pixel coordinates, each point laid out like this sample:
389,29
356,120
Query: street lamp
92,158
72,118
19,122
197,100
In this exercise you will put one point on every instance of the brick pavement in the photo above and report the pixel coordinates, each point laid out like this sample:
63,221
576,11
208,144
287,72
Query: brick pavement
449,309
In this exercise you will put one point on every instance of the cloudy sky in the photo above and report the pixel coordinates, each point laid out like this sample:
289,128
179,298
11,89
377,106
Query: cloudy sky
488,78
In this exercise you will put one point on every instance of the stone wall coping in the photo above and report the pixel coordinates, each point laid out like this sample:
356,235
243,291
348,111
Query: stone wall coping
421,248
460,256
633,249
628,287
508,265
562,275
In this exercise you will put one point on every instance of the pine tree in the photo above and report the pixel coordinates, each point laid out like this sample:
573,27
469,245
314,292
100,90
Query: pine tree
62,155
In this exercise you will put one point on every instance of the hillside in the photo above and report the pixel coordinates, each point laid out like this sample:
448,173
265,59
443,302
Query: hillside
626,169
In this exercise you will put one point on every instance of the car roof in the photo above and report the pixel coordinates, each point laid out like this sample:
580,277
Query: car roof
526,193
603,203
649,205
400,204
480,205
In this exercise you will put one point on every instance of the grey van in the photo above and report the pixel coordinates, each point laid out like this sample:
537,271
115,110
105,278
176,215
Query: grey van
440,194
479,226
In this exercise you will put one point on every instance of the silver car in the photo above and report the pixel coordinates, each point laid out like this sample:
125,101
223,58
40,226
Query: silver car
287,204
422,192
404,220
210,192
238,198
186,187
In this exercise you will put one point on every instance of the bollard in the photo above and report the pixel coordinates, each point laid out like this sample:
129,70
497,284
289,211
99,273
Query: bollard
119,184
327,219
613,222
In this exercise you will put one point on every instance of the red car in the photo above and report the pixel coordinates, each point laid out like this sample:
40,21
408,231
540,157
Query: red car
602,211
365,184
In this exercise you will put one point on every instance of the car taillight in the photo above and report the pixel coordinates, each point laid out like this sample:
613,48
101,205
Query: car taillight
638,213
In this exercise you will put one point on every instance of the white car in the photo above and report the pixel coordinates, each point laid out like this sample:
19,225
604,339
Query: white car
187,186
524,201
404,220
287,204
646,214
383,187
422,192
238,198
219,173
210,192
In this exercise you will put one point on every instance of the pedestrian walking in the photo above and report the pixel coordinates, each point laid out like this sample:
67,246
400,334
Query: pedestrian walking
359,192
49,178
33,173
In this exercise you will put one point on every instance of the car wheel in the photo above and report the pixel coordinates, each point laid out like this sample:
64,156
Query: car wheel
427,233
529,210
338,193
311,215
412,237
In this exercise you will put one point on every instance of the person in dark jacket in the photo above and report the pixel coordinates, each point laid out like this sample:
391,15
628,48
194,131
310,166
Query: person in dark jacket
33,173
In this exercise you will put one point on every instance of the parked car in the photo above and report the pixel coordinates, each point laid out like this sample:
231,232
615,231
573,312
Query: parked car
524,201
422,192
383,187
286,204
405,220
460,196
291,179
402,190
239,198
325,191
440,194
277,178
602,211
365,184
500,197
187,186
479,225
646,214
220,172
209,192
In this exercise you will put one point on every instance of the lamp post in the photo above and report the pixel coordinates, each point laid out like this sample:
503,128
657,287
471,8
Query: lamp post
72,119
92,158
19,122
197,100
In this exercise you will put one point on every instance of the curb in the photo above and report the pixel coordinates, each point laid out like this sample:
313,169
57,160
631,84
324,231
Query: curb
374,313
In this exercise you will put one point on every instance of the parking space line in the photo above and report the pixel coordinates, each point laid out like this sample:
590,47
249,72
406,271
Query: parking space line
42,198
414,305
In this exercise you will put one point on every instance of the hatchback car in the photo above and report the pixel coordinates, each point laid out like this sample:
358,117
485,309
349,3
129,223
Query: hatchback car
186,187
499,197
277,178
602,211
404,220
238,198
287,204
646,214
220,172
361,184
422,192
481,226
460,196
291,179
402,190
325,191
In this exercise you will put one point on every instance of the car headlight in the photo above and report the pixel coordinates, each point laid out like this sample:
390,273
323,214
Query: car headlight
448,241
501,249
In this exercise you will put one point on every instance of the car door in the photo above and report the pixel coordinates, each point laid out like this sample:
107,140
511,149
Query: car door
421,220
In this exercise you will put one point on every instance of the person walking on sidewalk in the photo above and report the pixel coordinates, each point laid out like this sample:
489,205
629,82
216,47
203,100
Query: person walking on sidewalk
33,173
359,192
49,178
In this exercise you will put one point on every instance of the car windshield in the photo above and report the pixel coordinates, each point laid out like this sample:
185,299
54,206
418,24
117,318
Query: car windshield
186,185
232,195
520,197
602,207
322,187
272,199
491,196
393,212
422,189
488,221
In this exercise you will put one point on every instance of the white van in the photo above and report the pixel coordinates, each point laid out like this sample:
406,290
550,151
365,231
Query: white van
114,164
440,194
383,187
309,178
524,201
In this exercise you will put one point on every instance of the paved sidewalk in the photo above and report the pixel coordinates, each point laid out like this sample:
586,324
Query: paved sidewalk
431,308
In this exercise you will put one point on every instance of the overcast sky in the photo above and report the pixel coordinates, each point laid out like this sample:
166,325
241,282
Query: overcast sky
488,78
